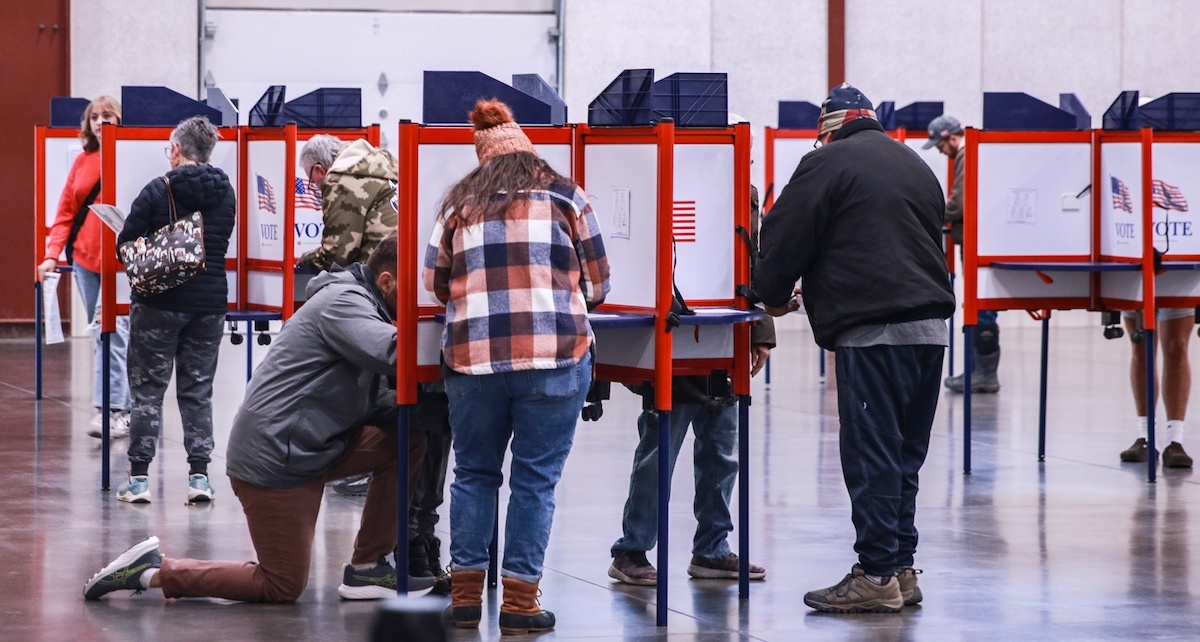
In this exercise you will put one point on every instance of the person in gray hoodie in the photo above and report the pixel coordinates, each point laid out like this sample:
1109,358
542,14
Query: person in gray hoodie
315,411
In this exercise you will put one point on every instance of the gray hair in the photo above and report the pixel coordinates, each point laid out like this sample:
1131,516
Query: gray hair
196,138
319,150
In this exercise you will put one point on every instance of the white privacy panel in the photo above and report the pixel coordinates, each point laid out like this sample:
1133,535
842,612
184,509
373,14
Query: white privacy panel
429,343
937,161
634,347
1032,199
1120,194
264,288
265,161
439,168
788,152
703,221
60,153
1023,284
1175,179
1126,286
622,185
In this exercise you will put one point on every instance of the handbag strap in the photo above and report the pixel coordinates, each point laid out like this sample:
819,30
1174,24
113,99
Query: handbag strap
170,197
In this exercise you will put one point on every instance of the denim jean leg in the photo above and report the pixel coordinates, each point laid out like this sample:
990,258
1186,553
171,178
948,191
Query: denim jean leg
118,381
154,337
716,469
195,367
639,522
545,410
480,427
869,412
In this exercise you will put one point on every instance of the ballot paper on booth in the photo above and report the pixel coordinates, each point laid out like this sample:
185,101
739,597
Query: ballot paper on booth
50,313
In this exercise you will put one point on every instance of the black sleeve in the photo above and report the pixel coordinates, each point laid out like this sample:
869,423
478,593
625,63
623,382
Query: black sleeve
142,214
788,240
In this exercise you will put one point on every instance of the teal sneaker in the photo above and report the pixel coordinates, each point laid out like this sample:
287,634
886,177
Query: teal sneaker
199,490
125,572
136,490
379,582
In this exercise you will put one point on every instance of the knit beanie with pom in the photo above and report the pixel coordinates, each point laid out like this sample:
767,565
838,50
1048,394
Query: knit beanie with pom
496,133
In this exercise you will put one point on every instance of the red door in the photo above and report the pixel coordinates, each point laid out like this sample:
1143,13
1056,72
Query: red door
34,66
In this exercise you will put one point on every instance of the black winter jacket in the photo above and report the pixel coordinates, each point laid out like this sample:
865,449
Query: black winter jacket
860,220
202,188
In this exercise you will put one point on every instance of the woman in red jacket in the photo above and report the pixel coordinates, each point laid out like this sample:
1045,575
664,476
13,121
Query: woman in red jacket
77,235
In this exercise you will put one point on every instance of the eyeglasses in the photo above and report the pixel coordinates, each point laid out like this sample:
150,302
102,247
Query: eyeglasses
167,151
816,143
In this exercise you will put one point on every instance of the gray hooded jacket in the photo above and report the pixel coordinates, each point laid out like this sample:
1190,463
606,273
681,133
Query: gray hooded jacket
315,384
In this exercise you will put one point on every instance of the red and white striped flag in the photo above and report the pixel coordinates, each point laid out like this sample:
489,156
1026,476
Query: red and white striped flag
683,221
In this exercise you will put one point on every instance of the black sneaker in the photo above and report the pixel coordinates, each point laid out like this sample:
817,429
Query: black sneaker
125,572
355,486
378,582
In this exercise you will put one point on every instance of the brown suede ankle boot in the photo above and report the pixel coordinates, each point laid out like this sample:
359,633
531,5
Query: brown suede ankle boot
466,592
520,612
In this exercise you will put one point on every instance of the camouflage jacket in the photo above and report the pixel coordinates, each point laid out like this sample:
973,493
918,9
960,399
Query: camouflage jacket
358,201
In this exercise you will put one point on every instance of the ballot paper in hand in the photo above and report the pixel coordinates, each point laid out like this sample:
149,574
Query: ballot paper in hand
50,313
112,216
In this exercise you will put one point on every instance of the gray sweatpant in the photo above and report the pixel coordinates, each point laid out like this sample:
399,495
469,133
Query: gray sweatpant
159,341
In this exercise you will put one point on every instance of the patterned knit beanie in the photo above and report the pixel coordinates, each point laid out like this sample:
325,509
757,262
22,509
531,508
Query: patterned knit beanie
844,104
495,132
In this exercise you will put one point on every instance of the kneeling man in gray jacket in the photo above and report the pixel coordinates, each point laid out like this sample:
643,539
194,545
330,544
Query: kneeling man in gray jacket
312,414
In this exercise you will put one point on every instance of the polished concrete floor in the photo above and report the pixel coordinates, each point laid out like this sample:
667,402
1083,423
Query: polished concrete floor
1080,547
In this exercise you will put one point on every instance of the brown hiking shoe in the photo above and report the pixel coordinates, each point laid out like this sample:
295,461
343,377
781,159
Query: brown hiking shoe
1136,453
1175,457
857,594
909,590
725,568
633,568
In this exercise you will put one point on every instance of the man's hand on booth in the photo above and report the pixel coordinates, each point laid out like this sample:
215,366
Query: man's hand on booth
758,357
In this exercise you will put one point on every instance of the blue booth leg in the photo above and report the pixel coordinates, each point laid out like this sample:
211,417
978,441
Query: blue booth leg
1151,461
744,496
664,496
968,364
402,426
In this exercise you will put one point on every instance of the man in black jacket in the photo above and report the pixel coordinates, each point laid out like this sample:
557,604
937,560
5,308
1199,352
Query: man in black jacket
860,220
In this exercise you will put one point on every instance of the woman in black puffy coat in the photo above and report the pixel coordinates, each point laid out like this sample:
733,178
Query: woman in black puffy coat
182,327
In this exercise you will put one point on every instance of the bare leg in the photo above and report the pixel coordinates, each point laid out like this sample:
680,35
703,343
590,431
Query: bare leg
1176,370
1137,370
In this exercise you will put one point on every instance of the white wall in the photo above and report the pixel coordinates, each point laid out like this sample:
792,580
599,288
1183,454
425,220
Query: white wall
134,42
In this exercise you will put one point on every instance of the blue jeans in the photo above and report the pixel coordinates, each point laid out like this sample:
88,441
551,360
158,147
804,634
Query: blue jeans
537,410
118,382
715,461
887,396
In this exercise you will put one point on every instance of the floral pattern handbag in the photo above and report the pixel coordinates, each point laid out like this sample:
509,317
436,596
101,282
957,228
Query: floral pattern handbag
168,257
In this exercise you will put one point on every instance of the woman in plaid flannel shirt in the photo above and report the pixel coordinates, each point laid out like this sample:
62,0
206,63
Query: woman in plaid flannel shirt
517,259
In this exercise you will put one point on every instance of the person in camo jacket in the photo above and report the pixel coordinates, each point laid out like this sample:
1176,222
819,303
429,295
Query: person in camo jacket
358,198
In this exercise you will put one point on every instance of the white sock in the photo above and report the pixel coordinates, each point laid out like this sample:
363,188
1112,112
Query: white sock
363,567
146,575
878,579
1175,431
1143,422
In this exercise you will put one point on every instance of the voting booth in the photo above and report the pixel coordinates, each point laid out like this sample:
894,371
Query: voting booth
1061,216
281,207
669,180
433,157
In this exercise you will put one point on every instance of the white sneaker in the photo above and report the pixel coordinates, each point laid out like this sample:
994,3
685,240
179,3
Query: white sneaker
118,425
199,490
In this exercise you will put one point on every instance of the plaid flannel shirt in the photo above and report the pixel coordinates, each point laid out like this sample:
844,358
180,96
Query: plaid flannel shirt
517,287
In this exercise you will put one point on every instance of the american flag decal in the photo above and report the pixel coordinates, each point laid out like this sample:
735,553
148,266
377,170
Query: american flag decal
683,221
1120,195
307,194
266,195
1168,196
